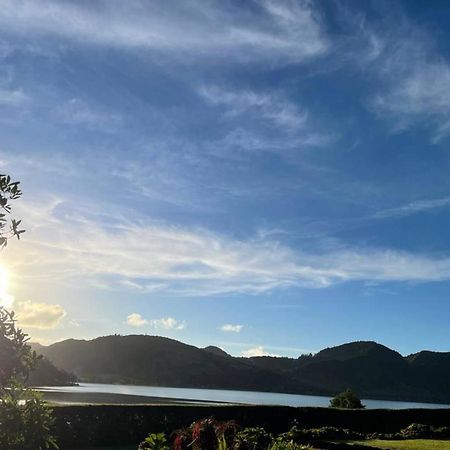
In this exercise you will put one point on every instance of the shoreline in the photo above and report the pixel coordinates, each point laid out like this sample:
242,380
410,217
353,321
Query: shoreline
102,398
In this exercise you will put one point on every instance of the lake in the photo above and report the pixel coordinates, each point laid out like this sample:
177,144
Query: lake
88,393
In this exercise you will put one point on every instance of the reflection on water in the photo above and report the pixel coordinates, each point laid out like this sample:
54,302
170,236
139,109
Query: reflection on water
214,395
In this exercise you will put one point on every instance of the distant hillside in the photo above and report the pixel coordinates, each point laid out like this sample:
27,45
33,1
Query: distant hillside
46,374
216,351
159,361
370,369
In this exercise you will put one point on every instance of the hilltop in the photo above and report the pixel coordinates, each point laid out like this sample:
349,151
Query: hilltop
369,368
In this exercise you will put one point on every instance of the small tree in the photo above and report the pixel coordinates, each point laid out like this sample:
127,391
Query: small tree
25,420
347,400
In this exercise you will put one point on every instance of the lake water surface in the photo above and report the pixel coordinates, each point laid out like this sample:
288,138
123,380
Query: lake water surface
99,393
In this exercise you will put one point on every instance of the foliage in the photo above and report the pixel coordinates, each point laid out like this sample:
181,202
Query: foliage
25,420
16,356
415,431
204,434
302,435
181,439
281,444
208,434
226,433
154,442
252,439
9,190
441,432
346,400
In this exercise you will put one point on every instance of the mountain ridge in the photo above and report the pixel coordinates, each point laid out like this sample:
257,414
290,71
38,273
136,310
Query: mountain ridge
369,368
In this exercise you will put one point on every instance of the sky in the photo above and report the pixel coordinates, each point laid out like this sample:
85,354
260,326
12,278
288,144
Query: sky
266,176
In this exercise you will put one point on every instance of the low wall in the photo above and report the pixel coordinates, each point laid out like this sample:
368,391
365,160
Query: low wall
83,426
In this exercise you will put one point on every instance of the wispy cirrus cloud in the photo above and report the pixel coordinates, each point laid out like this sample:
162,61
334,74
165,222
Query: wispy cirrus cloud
415,207
262,121
268,106
415,79
13,97
174,260
264,30
77,112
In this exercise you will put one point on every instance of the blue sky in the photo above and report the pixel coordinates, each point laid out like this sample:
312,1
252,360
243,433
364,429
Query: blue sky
267,176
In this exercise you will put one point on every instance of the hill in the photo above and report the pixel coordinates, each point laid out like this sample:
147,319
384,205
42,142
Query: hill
158,361
370,369
46,374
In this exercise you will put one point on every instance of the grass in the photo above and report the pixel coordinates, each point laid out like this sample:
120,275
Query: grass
413,444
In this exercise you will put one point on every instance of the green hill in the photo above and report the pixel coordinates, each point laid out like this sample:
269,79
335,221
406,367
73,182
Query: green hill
368,368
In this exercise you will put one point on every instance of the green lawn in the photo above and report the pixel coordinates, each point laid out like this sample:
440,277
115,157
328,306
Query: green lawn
414,444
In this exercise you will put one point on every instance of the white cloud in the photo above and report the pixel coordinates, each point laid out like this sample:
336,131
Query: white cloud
268,106
231,328
257,351
136,320
78,112
266,30
168,323
148,257
165,323
422,94
416,81
11,97
415,207
38,315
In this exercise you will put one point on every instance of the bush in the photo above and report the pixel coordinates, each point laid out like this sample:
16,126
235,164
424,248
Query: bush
154,442
25,420
204,434
416,431
281,444
252,439
441,433
226,433
302,435
181,439
346,400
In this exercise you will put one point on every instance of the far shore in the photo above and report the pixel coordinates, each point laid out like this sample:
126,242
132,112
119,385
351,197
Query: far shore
86,398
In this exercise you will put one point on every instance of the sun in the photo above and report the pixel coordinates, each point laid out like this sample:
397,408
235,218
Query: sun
5,298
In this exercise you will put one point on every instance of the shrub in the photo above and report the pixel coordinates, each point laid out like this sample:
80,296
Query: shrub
441,433
204,434
282,444
226,433
301,435
416,431
346,400
252,439
181,439
154,442
25,420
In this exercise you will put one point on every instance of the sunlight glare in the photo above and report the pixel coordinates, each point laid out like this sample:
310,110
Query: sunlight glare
5,298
